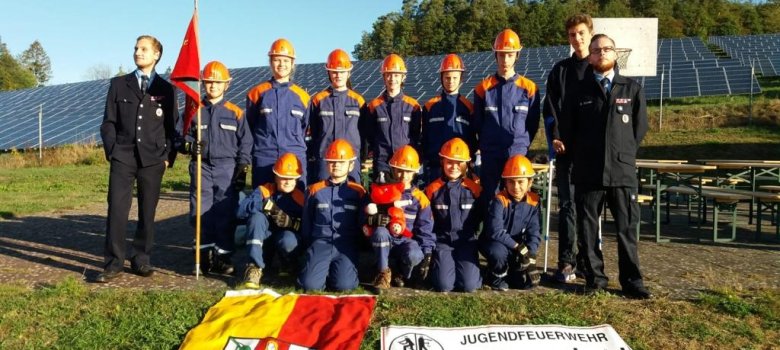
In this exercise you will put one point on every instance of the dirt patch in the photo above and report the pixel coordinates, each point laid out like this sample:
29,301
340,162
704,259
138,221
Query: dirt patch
46,248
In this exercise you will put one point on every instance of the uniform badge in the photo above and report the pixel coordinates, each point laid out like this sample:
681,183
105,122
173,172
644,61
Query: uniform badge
625,118
158,112
620,109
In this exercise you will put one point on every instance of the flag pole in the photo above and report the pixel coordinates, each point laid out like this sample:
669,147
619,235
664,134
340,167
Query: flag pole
198,174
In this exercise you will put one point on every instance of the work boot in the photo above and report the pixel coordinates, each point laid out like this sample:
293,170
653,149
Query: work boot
252,276
206,259
398,280
565,274
382,280
497,282
221,265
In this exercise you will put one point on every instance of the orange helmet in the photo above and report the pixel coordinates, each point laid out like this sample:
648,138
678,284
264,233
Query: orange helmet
507,41
215,71
452,62
282,47
406,158
393,64
340,150
518,166
288,166
455,149
338,61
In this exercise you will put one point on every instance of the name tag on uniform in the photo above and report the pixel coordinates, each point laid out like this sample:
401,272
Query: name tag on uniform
323,206
460,119
157,98
402,203
441,206
521,108
228,127
436,120
491,109
466,206
296,113
585,103
266,110
410,216
381,120
352,113
406,119
622,100
326,113
350,207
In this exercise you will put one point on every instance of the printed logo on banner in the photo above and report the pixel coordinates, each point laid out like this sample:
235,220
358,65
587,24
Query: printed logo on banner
414,341
234,343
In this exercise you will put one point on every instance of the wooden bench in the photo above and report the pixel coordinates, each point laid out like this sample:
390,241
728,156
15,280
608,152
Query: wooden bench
767,201
641,199
770,188
721,201
730,181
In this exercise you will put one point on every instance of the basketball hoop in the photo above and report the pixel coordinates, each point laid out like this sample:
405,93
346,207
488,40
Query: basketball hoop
622,57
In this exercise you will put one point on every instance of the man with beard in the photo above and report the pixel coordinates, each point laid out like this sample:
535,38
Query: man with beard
609,120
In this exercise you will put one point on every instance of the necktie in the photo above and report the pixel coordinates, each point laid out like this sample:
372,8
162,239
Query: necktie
144,83
605,85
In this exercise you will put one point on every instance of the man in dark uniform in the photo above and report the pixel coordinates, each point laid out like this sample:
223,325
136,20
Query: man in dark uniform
565,74
609,120
138,131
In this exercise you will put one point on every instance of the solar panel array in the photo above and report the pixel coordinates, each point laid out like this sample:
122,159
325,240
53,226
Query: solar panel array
761,51
72,112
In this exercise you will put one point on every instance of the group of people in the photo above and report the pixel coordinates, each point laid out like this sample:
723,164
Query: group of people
450,178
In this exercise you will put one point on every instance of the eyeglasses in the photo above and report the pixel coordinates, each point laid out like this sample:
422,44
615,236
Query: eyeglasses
602,50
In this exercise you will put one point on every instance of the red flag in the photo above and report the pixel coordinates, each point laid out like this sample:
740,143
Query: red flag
186,72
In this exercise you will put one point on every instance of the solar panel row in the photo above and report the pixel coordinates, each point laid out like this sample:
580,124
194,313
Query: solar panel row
760,51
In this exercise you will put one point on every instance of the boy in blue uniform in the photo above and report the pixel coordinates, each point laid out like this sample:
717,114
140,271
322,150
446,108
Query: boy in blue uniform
331,224
225,146
511,237
410,206
456,218
273,213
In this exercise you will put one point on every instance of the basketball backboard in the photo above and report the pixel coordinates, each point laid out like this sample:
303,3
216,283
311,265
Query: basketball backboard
638,34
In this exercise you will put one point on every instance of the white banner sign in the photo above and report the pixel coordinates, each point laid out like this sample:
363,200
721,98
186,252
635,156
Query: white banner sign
500,337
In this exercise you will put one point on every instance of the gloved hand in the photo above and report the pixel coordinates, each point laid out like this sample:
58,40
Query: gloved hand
282,220
193,148
239,176
425,267
378,220
532,273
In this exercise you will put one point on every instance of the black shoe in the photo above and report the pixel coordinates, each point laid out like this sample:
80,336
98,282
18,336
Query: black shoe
143,270
640,293
221,265
106,276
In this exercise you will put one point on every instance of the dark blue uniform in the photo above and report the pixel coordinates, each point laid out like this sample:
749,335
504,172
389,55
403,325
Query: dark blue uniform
445,117
228,144
456,218
393,122
336,115
332,215
278,116
261,232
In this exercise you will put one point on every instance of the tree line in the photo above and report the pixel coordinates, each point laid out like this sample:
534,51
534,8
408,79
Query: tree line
30,69
432,27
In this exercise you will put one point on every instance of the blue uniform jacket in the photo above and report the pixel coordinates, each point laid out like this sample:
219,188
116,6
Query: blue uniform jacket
445,117
290,203
506,113
393,122
333,211
510,221
225,131
336,115
419,218
278,116
456,216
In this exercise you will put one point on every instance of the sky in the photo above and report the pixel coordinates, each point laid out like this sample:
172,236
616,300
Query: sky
80,34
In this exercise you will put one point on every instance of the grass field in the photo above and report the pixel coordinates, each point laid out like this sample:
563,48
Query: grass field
71,316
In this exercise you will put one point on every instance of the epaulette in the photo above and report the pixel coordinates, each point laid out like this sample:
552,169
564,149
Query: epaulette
412,101
357,187
485,85
526,84
375,103
433,187
434,100
503,198
301,93
420,196
320,96
255,92
532,198
235,109
472,186
297,196
317,186
267,190
356,96
466,103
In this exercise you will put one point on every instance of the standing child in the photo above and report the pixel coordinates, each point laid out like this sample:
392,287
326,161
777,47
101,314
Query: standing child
331,224
511,237
394,118
273,214
456,218
224,148
388,220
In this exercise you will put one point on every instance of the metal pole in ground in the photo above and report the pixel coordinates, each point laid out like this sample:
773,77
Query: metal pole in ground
40,133
661,99
750,101
550,174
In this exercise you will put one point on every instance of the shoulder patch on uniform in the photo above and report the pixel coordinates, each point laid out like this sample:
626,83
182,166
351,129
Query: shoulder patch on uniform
267,190
257,91
298,197
526,84
235,109
357,187
301,93
361,101
532,198
420,196
412,101
434,100
433,187
475,188
466,103
503,198
485,85
319,97
375,103
316,187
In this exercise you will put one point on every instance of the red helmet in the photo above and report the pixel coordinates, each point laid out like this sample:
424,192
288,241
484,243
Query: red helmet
455,149
393,64
452,62
507,41
406,158
282,47
518,166
339,150
288,166
338,61
215,71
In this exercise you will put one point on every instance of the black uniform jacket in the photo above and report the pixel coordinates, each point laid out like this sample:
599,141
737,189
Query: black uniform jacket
606,132
564,74
138,123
